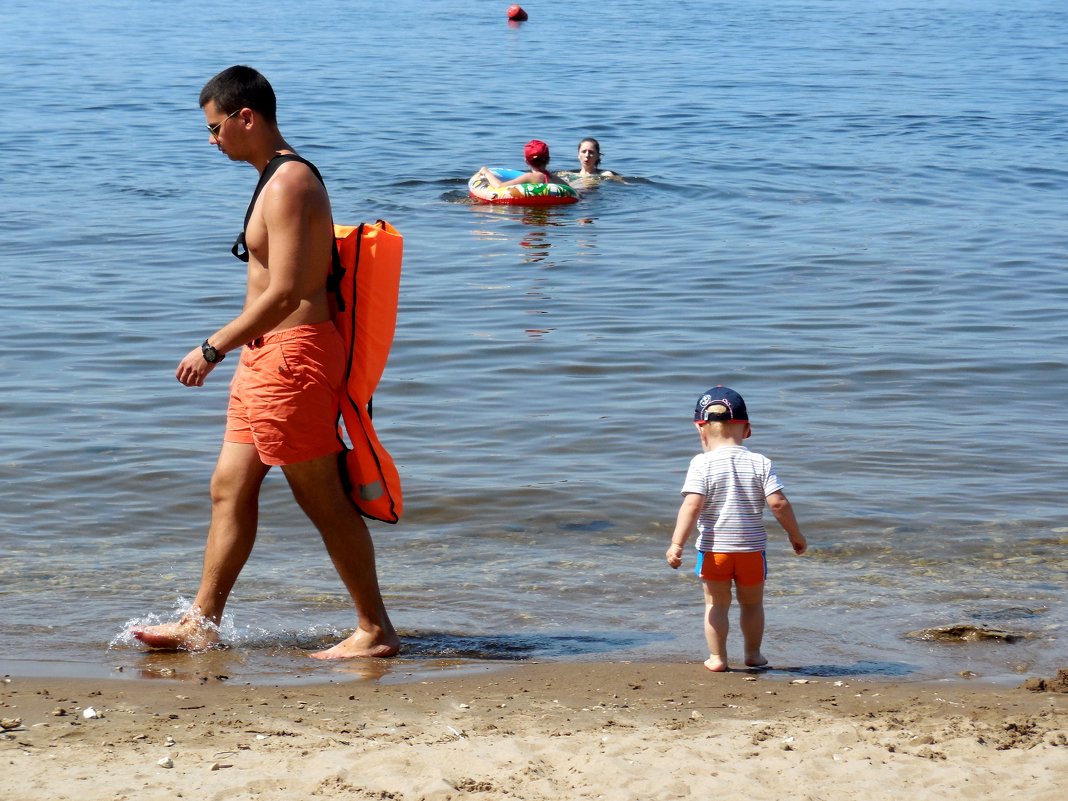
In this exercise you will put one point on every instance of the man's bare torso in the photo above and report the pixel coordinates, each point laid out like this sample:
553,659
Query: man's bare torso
289,239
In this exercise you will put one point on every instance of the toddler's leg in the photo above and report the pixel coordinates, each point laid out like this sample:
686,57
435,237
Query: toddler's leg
717,604
751,620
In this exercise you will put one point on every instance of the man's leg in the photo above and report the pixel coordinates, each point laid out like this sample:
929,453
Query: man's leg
316,485
717,604
235,491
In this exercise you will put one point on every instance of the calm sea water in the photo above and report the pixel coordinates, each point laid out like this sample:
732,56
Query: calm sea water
852,213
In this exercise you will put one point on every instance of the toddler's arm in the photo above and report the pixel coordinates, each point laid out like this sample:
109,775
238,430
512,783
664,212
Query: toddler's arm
784,513
684,523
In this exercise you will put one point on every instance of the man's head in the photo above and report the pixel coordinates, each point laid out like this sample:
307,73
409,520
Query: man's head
240,87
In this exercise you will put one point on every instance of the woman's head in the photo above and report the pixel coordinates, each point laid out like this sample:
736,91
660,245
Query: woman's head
536,154
589,153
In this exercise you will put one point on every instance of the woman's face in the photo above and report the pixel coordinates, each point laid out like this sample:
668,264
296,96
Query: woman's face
588,155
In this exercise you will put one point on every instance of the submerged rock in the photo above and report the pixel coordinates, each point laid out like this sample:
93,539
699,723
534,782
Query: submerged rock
966,632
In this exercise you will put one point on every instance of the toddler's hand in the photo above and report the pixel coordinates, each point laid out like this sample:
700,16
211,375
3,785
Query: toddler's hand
674,556
800,544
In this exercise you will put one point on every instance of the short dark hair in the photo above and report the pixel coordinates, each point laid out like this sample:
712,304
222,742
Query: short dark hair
240,87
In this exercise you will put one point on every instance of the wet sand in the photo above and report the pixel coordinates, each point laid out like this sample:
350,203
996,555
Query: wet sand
535,731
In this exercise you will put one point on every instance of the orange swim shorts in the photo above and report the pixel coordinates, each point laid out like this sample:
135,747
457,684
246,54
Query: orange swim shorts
746,569
284,394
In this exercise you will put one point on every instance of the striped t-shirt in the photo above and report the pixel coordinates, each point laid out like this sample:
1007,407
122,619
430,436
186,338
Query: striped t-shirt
735,481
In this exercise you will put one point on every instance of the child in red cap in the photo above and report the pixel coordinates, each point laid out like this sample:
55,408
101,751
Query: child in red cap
724,495
536,155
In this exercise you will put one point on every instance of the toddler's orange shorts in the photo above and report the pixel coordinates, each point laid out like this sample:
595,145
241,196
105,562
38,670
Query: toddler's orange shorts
284,394
746,569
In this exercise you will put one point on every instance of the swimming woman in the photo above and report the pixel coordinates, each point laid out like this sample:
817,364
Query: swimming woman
589,155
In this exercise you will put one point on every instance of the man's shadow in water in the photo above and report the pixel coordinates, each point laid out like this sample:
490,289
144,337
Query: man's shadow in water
870,669
518,647
220,664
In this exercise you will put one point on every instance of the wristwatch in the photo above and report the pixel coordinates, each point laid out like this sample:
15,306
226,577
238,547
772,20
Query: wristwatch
211,355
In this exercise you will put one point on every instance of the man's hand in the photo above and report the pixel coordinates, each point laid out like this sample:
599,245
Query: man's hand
193,369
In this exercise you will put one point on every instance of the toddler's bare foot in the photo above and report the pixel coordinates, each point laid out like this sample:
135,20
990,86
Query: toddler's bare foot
363,644
188,634
715,664
756,661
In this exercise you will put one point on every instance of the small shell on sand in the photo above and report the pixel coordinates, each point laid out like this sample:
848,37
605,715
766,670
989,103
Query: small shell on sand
90,714
166,762
10,723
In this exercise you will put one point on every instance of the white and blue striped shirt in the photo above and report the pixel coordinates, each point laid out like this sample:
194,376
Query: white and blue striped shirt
735,482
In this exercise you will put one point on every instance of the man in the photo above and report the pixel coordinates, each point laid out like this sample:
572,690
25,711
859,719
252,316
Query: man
283,400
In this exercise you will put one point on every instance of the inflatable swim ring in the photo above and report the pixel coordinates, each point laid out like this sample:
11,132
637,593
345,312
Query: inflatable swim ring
519,194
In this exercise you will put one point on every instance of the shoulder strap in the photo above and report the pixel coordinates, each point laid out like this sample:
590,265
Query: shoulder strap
240,249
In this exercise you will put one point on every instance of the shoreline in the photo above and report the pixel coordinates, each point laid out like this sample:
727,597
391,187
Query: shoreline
293,668
535,731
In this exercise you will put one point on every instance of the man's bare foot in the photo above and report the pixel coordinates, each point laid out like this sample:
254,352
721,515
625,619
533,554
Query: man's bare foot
362,644
188,634
715,664
756,661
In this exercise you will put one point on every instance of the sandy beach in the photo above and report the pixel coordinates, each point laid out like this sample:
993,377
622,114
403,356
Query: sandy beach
535,731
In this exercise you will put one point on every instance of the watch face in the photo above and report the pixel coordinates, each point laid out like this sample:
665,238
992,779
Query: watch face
210,354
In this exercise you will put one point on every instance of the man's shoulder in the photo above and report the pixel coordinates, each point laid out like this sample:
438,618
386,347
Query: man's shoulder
296,172
294,183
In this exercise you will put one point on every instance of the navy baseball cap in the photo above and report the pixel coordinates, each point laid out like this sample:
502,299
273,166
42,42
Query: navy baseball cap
720,404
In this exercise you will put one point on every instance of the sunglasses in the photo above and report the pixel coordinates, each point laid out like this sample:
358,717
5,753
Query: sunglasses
214,129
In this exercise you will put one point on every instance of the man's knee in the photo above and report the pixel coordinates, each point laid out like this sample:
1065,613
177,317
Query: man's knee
228,490
236,480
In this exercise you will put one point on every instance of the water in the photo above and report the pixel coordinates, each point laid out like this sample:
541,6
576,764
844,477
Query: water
853,214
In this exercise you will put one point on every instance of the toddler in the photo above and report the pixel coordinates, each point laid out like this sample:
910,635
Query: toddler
726,489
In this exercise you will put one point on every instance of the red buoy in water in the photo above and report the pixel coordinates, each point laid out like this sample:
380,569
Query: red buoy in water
517,13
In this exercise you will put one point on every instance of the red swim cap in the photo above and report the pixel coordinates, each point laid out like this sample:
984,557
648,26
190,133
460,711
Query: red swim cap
517,13
536,149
